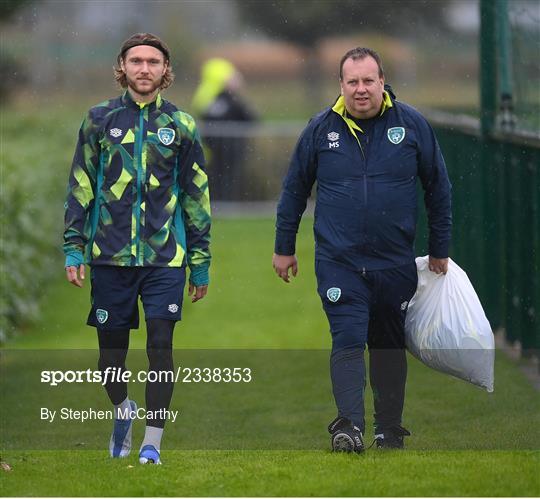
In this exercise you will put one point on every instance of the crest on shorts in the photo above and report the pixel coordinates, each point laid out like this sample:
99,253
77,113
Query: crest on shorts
333,294
102,315
396,134
166,135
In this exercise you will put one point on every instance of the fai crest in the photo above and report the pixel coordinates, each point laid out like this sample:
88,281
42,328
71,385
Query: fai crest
396,134
333,294
166,135
102,315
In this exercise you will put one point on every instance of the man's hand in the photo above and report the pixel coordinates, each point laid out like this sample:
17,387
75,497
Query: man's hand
198,292
75,275
282,264
438,265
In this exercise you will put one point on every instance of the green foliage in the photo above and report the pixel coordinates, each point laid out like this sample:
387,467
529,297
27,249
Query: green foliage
12,71
9,7
13,74
35,156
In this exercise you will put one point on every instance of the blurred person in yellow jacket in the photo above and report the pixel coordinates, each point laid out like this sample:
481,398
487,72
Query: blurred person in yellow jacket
217,102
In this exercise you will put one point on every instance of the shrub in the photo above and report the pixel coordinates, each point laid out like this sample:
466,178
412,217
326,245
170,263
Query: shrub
35,155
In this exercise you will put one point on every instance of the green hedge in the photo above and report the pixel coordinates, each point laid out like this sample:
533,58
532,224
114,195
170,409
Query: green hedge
35,154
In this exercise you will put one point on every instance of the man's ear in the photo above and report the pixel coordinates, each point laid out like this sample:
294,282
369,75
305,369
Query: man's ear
122,65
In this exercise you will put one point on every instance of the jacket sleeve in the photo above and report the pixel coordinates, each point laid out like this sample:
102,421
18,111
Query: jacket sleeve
296,190
81,193
195,203
437,191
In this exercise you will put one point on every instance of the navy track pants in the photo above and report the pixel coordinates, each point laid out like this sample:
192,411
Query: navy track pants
367,308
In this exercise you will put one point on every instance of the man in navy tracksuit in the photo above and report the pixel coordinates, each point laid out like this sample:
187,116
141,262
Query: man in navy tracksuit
366,153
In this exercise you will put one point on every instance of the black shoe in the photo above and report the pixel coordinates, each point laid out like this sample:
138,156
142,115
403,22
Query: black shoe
391,438
346,437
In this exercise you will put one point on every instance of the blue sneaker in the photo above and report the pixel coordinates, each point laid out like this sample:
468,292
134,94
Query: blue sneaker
120,443
149,455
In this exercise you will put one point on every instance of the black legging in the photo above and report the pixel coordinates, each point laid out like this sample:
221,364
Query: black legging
113,348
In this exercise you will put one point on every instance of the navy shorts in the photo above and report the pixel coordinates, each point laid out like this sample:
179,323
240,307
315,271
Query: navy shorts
366,308
116,291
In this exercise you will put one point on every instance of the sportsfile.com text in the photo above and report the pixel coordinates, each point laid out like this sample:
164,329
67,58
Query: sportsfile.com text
181,374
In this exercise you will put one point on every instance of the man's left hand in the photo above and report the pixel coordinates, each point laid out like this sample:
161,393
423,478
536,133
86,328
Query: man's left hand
198,292
438,265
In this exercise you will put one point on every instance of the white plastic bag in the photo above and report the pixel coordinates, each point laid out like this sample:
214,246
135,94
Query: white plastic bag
446,327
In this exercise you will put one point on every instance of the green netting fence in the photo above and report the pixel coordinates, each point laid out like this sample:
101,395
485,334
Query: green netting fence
496,234
494,167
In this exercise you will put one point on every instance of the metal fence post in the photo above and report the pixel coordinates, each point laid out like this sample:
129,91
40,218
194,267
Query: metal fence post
488,66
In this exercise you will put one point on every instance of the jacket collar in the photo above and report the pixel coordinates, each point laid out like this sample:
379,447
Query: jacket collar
339,108
128,101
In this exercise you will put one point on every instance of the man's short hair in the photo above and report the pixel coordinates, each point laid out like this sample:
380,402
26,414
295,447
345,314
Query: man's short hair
361,53
144,39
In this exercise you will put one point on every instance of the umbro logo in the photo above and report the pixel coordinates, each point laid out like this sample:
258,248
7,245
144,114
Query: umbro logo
115,132
333,136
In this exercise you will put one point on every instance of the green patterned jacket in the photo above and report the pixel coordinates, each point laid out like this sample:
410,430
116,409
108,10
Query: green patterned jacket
138,192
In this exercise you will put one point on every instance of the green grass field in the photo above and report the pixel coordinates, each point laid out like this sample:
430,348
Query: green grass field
465,442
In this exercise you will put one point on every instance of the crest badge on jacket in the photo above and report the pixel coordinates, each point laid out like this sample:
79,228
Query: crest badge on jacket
396,134
166,136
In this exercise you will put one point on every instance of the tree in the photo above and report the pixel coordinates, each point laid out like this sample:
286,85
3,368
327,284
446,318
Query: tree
9,67
9,7
304,22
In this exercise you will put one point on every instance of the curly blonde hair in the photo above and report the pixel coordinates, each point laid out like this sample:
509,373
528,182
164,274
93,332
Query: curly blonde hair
143,39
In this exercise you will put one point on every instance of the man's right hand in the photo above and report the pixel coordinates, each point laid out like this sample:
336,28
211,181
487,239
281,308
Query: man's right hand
75,275
282,264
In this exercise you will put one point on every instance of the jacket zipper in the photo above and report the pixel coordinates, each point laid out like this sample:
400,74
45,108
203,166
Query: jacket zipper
139,187
364,176
365,171
365,182
97,204
365,189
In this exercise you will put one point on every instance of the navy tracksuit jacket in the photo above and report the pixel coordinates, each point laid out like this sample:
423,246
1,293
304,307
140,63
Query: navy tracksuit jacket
366,209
